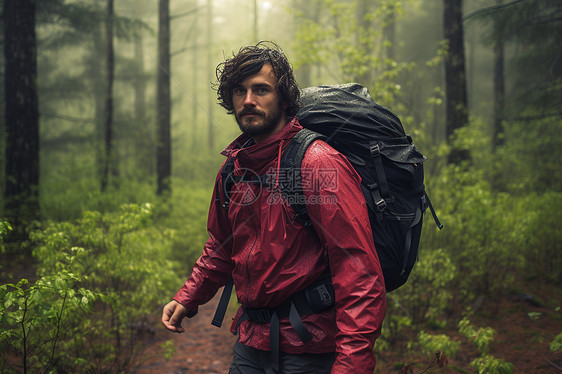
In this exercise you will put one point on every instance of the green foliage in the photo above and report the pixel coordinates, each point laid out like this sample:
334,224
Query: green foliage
5,227
37,318
350,41
556,344
433,343
427,294
543,237
491,365
183,220
169,349
483,242
481,337
395,324
423,300
113,268
527,163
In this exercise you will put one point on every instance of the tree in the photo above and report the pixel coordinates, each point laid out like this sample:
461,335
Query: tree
455,76
163,147
211,138
531,27
109,162
499,82
21,111
144,143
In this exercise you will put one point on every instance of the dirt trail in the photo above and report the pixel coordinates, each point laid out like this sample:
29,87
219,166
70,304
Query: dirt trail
203,348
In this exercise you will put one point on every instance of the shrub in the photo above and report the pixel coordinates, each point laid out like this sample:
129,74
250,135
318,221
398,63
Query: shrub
482,337
543,237
556,344
428,291
433,343
491,365
101,276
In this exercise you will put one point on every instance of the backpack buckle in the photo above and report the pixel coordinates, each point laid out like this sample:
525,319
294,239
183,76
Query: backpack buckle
381,205
258,315
424,203
264,315
374,149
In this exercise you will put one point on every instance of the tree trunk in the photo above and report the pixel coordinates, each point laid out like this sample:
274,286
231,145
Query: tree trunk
255,21
163,147
144,142
455,76
211,138
363,42
195,56
109,165
21,112
499,83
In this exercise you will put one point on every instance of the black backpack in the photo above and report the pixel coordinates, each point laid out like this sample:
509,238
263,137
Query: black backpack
391,168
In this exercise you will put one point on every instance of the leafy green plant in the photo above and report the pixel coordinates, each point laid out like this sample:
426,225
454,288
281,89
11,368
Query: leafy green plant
5,227
490,365
433,343
35,318
169,349
543,236
482,337
427,294
483,242
556,344
394,327
533,316
115,268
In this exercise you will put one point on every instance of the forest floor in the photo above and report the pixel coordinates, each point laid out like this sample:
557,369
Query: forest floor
525,322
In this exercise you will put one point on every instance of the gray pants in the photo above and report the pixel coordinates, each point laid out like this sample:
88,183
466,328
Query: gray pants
248,360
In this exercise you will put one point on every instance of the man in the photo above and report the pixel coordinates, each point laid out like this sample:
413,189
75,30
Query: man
273,259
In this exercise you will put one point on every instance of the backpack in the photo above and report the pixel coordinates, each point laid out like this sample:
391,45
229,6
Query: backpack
391,168
373,140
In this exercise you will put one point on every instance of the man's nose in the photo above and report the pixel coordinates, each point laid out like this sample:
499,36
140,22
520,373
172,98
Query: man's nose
249,100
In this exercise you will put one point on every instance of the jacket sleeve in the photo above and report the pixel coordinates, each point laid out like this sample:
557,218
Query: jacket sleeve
213,268
339,215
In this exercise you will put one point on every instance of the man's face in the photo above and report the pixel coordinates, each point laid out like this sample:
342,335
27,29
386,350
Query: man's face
257,106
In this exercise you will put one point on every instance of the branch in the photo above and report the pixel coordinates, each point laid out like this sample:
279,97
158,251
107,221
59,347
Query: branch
186,13
68,118
532,118
554,365
491,9
184,49
57,335
24,357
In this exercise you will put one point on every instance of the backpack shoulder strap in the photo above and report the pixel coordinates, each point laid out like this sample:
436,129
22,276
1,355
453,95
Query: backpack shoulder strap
291,161
227,182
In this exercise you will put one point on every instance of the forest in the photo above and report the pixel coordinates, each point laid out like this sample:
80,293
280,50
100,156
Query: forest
110,143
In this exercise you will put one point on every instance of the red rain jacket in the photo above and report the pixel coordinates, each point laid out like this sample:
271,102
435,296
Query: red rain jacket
271,256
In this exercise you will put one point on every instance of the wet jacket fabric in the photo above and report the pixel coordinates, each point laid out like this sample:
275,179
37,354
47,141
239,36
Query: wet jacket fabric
270,255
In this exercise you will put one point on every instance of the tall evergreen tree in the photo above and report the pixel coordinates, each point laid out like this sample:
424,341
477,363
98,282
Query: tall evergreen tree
164,142
455,75
21,111
109,162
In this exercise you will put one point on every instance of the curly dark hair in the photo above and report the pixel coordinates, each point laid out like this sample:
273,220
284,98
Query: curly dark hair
248,61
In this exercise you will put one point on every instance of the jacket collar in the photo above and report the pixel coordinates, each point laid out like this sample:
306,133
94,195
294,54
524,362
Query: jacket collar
256,155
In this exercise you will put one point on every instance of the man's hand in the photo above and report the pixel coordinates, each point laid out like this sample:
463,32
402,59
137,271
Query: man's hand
172,315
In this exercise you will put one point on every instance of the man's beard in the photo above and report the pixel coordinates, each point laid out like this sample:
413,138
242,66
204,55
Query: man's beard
266,124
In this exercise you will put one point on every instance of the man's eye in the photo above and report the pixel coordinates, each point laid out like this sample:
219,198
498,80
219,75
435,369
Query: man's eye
238,91
262,91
